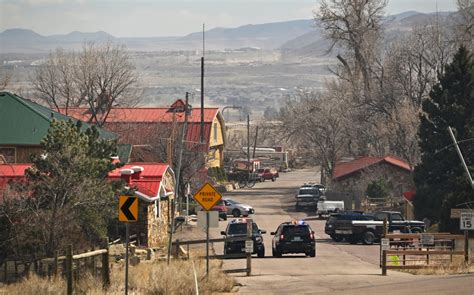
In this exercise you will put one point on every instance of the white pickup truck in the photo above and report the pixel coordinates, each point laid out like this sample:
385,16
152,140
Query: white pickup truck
328,207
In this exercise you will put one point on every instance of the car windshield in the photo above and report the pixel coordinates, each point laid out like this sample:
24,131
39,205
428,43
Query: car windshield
231,201
296,230
240,229
309,191
331,219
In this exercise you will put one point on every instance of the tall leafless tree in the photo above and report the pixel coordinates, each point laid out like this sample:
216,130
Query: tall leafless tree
356,27
98,77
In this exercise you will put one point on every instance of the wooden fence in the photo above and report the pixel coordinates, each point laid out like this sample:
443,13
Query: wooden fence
176,245
71,266
410,251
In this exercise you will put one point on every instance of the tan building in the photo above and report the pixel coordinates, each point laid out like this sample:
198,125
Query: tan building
154,184
351,177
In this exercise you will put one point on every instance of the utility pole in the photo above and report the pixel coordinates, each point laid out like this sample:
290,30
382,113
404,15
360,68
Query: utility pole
255,142
248,144
178,174
469,177
202,86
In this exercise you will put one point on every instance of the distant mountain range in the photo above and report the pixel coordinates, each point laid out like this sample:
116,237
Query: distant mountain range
298,36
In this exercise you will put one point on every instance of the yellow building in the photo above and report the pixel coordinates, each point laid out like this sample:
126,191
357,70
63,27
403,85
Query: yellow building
149,127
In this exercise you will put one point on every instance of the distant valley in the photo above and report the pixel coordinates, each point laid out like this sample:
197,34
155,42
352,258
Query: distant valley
254,66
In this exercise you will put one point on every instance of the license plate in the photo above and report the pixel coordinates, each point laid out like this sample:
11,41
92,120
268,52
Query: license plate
297,239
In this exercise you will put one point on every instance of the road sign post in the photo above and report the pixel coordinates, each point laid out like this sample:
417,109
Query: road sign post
207,196
249,242
128,212
466,221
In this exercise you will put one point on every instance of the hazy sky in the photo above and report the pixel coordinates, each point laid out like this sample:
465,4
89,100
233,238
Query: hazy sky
136,18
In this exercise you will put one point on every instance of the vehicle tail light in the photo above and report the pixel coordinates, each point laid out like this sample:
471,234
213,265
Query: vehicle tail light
282,237
312,236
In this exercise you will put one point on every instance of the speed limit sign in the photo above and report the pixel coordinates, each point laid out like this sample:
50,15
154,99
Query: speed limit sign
467,221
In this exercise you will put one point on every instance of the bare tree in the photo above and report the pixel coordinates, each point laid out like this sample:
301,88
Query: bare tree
354,25
465,23
99,77
5,77
319,123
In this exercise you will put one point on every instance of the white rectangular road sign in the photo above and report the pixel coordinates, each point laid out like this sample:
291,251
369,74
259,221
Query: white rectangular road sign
427,240
467,221
249,246
213,219
385,244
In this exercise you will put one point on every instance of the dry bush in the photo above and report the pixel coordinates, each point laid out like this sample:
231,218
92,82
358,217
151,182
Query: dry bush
146,278
457,266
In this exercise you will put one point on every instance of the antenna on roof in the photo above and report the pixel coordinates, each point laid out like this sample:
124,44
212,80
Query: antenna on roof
202,85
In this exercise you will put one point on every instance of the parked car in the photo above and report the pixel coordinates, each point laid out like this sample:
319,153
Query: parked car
221,208
235,234
267,174
293,237
307,196
370,231
320,187
237,209
335,219
325,207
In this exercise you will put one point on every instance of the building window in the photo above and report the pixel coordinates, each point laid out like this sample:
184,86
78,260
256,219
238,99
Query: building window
157,209
215,132
8,154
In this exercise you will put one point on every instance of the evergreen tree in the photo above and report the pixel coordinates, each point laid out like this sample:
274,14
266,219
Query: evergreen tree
67,198
440,179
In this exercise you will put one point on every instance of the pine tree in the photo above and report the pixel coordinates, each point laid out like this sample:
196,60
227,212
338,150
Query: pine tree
440,179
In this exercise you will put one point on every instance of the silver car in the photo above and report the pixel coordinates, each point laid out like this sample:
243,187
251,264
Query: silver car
237,209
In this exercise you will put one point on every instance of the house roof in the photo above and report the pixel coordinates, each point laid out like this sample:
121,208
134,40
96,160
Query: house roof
137,126
147,115
11,172
150,183
346,168
23,122
148,186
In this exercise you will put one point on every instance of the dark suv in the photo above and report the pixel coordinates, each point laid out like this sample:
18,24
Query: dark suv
332,224
235,236
293,237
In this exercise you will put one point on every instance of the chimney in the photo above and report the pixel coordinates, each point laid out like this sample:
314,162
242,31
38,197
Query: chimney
137,172
126,174
115,159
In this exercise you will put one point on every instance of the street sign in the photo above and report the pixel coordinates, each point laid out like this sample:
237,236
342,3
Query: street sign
385,243
213,219
249,246
427,240
467,221
207,196
456,213
128,209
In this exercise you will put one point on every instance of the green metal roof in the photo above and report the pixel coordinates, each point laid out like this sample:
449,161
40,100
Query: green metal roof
124,152
23,122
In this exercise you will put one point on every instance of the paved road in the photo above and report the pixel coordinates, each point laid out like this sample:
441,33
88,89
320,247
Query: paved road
337,268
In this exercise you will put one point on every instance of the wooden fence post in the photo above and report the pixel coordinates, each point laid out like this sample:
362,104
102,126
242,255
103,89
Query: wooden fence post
69,270
384,262
177,248
56,263
105,266
5,271
466,246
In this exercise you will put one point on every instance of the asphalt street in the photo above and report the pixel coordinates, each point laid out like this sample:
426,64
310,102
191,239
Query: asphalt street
339,268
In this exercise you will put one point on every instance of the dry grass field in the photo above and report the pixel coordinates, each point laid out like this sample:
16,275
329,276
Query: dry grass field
146,278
